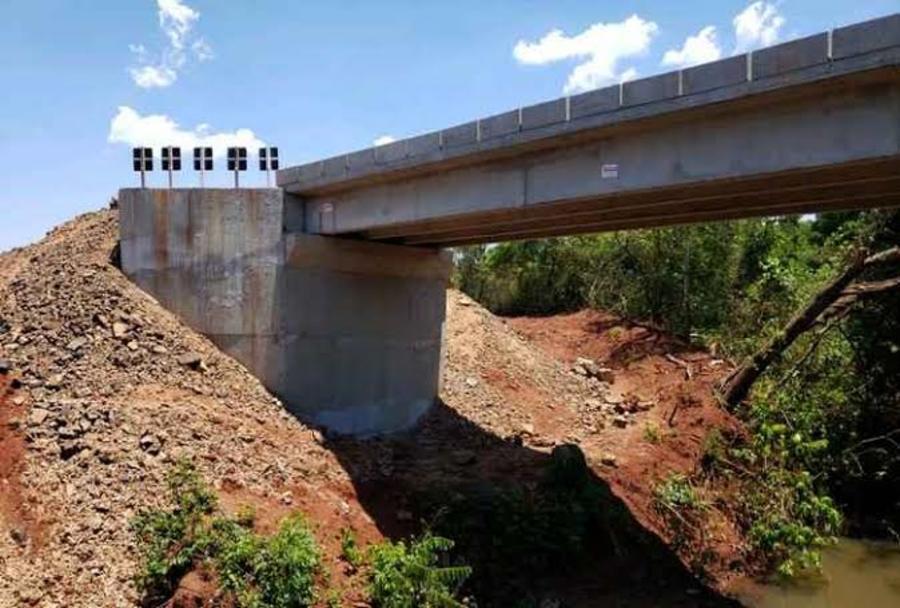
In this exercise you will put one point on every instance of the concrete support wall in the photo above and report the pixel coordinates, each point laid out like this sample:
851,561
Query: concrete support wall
347,333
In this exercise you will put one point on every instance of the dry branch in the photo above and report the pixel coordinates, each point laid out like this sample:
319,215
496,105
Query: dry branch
832,301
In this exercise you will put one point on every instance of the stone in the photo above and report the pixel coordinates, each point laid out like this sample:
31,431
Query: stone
585,367
464,457
605,374
526,429
38,416
159,349
19,536
608,460
191,359
471,382
69,448
620,421
5,366
54,381
150,443
119,329
76,344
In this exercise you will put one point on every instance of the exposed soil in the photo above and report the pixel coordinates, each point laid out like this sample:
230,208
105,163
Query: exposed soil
677,382
16,516
110,400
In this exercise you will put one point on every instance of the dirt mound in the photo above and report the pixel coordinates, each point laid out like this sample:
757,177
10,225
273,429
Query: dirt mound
114,389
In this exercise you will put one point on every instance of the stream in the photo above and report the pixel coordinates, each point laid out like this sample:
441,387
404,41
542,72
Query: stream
856,574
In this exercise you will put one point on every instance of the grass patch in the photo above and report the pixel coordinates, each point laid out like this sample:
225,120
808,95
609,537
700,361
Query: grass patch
652,434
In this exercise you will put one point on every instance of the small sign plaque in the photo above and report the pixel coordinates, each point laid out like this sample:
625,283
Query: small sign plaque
609,171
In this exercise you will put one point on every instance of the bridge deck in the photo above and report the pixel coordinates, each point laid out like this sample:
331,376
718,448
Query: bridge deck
808,125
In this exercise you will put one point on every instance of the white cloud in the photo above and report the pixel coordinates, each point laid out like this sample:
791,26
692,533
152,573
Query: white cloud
158,130
384,140
150,76
701,48
602,48
756,26
176,20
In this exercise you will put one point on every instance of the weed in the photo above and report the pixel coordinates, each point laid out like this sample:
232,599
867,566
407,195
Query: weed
652,434
246,516
676,494
408,574
350,549
715,449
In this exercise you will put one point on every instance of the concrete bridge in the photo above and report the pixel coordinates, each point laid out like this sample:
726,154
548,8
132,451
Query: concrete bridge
331,289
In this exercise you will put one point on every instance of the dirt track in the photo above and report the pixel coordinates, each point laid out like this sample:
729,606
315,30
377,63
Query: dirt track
106,407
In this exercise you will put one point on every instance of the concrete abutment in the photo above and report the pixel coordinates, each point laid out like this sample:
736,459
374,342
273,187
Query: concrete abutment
347,333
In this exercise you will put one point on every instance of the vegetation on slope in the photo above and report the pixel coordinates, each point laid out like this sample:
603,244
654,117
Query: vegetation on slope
283,570
824,420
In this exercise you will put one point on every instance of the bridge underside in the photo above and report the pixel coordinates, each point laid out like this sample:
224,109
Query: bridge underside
852,186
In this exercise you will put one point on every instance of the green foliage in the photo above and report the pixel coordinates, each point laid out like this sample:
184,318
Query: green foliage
168,539
257,572
411,574
676,493
350,550
787,511
516,537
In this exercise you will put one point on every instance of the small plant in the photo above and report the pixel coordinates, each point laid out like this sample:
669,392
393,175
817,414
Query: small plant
677,494
350,549
408,574
245,516
169,540
715,449
651,433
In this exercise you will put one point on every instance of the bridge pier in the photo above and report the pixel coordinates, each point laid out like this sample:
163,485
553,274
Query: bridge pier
347,333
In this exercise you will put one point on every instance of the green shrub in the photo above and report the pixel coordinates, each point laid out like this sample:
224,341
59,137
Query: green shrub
409,574
520,537
256,572
168,541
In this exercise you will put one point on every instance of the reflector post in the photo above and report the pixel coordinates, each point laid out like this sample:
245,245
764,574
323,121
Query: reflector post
268,162
171,161
142,162
203,161
237,162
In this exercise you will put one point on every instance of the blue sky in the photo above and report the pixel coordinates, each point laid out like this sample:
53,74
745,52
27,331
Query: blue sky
84,79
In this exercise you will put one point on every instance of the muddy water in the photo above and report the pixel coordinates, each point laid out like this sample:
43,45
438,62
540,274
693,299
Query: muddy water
856,574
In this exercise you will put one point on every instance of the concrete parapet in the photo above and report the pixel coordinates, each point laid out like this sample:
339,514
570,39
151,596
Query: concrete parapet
543,114
718,74
790,56
646,90
595,102
500,124
347,333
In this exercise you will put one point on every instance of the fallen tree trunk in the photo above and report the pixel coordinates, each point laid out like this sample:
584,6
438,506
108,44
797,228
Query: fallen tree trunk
835,299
